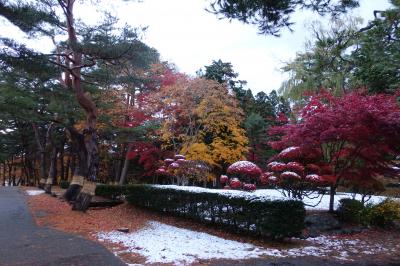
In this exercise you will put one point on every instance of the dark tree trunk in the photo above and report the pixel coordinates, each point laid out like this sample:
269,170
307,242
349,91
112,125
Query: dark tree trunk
62,167
80,169
73,164
125,168
66,176
4,174
28,168
42,145
332,198
52,171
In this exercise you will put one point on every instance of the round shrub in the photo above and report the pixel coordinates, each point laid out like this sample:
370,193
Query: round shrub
350,210
385,213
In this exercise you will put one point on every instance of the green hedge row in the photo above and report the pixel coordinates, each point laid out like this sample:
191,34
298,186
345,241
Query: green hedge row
111,191
272,218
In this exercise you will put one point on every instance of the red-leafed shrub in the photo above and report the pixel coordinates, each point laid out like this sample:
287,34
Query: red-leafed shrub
295,166
223,179
244,169
313,178
276,166
290,175
249,187
264,178
168,161
235,183
290,153
313,168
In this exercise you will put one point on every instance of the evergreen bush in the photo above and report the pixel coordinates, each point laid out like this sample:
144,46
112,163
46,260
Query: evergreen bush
110,191
350,210
271,218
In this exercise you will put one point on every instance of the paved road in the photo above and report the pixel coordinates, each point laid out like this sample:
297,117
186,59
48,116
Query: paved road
24,243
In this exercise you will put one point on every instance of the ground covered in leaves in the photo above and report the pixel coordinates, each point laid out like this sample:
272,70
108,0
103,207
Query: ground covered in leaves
373,247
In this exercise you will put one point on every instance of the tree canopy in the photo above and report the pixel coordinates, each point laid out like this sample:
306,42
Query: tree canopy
272,16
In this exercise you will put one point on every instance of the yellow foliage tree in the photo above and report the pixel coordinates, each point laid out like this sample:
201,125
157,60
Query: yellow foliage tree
204,122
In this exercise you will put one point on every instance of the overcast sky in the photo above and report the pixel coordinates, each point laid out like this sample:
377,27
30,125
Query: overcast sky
187,35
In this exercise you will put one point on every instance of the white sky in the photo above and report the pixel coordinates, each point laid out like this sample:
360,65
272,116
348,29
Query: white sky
187,35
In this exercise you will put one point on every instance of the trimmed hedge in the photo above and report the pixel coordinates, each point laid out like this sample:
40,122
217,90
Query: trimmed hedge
110,191
272,218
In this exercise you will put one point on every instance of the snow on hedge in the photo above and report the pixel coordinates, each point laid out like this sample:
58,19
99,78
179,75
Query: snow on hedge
161,243
273,194
255,196
34,192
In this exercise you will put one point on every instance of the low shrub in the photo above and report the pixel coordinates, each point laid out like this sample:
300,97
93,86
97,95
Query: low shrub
271,218
110,191
384,214
64,184
350,210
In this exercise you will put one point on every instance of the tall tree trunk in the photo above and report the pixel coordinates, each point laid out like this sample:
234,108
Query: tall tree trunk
125,168
52,171
332,198
79,169
42,146
87,150
4,173
66,175
62,167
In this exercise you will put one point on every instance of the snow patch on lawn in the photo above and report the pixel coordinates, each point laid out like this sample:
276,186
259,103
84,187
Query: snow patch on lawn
162,243
35,192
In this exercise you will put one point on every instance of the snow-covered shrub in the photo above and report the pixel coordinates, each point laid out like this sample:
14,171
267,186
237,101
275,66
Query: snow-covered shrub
235,183
299,173
181,171
241,213
243,172
223,179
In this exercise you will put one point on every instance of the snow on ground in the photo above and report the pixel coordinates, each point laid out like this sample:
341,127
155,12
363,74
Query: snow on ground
161,243
273,194
34,192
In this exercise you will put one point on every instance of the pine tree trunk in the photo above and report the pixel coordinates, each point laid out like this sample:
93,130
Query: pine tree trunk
86,143
4,174
62,167
66,174
125,168
52,171
80,169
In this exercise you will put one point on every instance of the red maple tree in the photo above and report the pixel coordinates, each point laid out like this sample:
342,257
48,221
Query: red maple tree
358,134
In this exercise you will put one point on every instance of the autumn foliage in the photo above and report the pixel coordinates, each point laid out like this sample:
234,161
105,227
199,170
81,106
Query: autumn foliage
201,120
357,135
